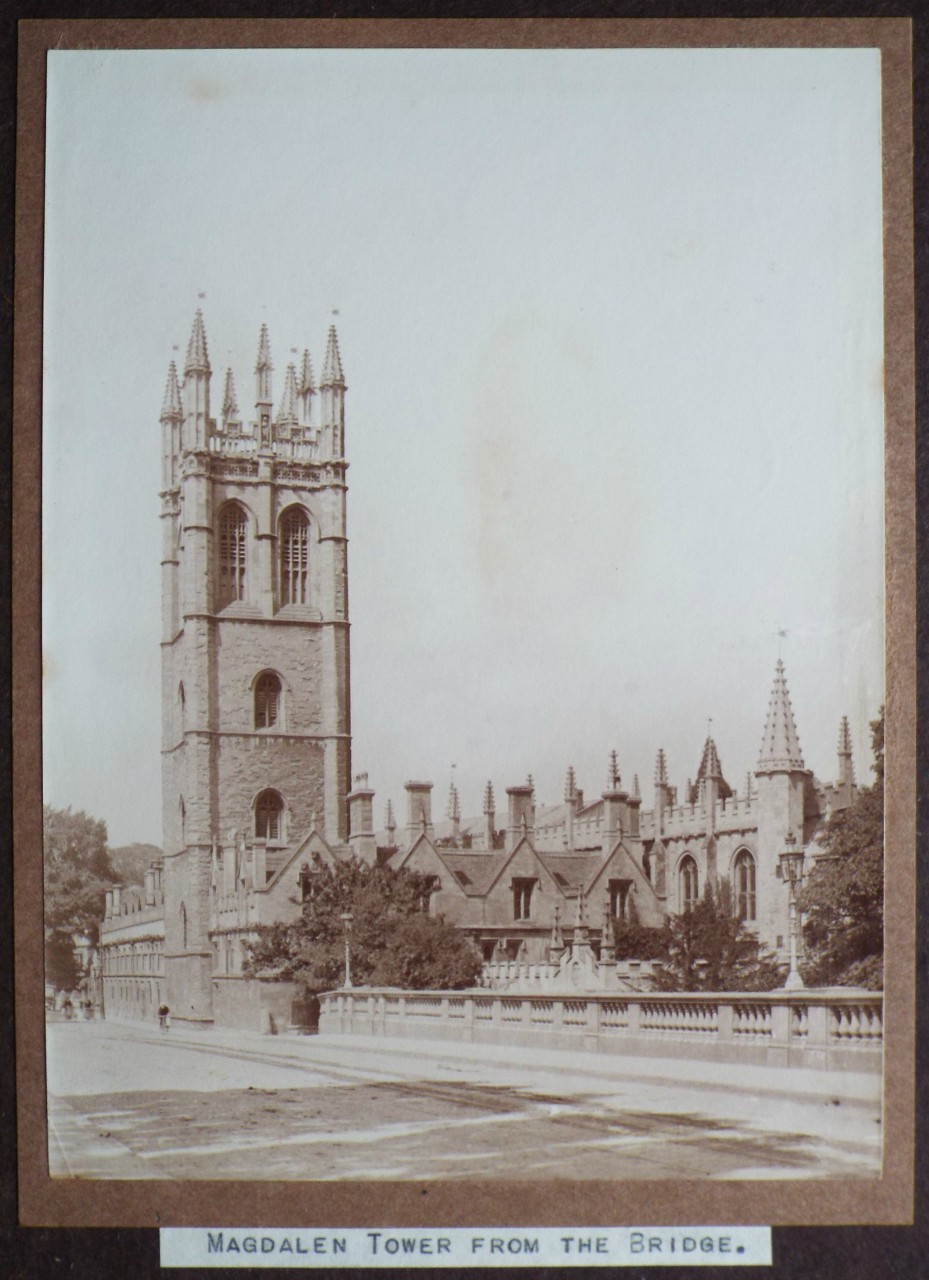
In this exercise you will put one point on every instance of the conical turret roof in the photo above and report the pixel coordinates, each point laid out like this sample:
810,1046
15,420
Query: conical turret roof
332,365
172,407
780,747
710,768
197,359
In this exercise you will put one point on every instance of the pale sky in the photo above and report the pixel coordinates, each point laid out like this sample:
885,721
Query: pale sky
611,325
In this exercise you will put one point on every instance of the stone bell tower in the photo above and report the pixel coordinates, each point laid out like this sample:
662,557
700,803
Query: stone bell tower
256,731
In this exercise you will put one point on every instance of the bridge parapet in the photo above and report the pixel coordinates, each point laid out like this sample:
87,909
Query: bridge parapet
825,1030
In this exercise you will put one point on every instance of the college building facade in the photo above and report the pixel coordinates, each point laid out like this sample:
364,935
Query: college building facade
257,789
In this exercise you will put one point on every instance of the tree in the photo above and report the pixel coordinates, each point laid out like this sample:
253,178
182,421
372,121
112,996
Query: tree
77,874
633,940
843,900
708,948
394,941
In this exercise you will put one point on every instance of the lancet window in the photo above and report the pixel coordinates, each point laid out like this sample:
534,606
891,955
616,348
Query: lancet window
745,885
267,701
269,816
689,883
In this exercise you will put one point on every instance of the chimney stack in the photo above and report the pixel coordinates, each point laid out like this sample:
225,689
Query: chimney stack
519,814
418,810
361,820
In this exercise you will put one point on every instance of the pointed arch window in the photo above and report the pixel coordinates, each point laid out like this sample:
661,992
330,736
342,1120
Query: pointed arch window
690,889
745,885
233,545
267,700
269,816
295,557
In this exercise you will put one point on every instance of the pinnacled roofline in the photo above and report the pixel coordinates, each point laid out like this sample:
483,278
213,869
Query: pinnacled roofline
198,361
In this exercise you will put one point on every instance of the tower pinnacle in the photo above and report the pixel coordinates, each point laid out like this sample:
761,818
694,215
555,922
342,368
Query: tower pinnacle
197,359
661,769
780,747
172,407
287,413
263,367
230,405
332,365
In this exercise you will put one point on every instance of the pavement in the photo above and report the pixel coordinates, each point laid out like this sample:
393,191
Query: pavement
129,1101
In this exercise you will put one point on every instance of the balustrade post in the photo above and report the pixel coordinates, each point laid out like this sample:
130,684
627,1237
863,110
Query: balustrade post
469,1018
592,1029
780,1034
817,1035
725,1019
634,1008
558,1013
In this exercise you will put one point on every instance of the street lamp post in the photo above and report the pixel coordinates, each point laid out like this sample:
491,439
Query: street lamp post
347,920
791,864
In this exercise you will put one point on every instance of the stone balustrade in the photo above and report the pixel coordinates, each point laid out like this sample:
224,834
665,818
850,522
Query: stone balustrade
826,1030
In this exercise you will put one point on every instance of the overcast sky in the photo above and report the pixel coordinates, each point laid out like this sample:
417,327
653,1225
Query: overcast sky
611,325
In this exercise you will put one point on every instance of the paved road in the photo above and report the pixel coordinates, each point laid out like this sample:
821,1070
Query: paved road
126,1101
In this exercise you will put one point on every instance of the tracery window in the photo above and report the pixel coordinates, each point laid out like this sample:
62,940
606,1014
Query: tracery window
233,545
295,557
689,883
267,700
269,810
745,885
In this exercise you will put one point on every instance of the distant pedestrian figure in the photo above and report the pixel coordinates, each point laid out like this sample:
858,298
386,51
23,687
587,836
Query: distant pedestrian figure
68,1008
164,1017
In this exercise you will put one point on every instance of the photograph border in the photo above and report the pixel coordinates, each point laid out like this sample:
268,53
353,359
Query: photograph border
47,1202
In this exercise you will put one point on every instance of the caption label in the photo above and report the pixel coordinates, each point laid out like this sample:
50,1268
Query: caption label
310,1247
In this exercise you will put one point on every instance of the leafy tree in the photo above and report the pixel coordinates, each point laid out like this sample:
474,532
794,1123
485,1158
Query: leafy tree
394,941
77,874
843,900
707,948
634,940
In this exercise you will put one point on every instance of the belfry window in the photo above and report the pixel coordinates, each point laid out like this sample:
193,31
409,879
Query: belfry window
267,701
745,885
295,557
689,883
233,545
269,810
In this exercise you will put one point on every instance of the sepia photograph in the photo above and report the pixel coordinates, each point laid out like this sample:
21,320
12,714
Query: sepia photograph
464,621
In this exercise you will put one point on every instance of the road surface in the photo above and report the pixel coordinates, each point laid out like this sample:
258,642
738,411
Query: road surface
129,1101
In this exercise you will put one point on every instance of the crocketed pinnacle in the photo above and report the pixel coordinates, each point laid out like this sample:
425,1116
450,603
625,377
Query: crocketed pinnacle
612,772
454,804
172,407
661,769
197,359
230,405
489,798
287,413
570,785
332,365
780,747
636,789
263,368
307,386
845,738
